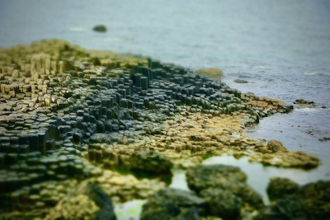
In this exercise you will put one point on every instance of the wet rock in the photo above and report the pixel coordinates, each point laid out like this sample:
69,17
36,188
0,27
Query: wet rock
151,161
303,102
290,207
315,197
324,139
173,204
221,203
211,72
275,146
240,81
300,159
228,178
214,176
250,197
310,202
100,28
280,187
87,200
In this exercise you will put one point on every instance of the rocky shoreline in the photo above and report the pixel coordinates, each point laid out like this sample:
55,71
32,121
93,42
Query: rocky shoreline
69,115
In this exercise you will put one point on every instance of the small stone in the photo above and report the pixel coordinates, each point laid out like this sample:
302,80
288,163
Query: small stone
100,28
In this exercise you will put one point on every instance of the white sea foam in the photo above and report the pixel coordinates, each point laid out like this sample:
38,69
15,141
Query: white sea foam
316,73
78,29
308,109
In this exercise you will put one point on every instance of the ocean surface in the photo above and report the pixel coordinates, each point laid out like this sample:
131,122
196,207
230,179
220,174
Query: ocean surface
282,47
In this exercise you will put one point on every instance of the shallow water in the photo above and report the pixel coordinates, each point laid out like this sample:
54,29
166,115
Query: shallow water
129,210
281,47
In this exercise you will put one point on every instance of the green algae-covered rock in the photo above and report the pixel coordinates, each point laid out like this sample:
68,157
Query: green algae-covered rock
221,203
150,161
280,187
214,176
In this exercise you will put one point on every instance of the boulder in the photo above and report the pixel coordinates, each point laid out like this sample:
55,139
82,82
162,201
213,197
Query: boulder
316,199
173,204
221,203
150,161
250,196
100,28
290,207
279,187
311,201
228,178
215,176
87,200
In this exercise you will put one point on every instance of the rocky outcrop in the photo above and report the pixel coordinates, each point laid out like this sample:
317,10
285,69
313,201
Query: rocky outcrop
284,157
311,201
173,204
61,105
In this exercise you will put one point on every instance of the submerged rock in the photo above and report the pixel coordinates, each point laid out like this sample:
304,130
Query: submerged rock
280,187
173,204
88,200
100,28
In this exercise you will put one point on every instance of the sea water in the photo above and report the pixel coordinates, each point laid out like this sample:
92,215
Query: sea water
281,47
